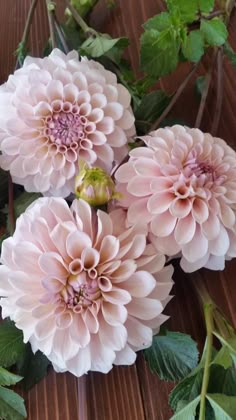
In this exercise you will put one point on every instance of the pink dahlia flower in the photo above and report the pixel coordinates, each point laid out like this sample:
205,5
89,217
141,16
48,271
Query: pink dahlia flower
56,110
85,291
183,185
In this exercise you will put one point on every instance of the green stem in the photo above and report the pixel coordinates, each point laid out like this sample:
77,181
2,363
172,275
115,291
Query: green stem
208,312
22,45
50,11
81,22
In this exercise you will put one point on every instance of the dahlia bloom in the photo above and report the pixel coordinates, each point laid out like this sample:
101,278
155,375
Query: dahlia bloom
183,185
57,110
85,291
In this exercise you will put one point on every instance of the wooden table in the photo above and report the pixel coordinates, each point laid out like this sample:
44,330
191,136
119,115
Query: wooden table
129,393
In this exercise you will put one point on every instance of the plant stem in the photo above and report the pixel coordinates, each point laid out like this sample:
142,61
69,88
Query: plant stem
208,312
205,93
81,22
11,204
220,90
50,11
174,99
61,36
28,21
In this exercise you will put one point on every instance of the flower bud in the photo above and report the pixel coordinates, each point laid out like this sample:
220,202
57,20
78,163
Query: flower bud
95,186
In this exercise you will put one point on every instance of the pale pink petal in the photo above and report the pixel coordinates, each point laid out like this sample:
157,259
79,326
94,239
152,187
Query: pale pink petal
185,230
163,224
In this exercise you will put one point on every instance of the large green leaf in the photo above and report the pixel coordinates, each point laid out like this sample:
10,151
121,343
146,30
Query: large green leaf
11,405
214,31
186,411
222,381
206,6
33,368
172,356
224,407
159,22
186,390
12,347
159,52
187,9
150,108
8,378
193,46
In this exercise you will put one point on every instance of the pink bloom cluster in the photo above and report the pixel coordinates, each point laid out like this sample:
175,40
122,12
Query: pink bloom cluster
85,290
57,110
183,185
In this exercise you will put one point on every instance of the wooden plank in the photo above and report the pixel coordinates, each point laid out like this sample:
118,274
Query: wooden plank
132,393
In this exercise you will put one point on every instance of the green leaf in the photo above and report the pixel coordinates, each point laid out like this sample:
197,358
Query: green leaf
214,31
96,47
186,9
172,356
83,7
150,108
33,368
224,407
159,52
206,6
159,22
223,358
193,47
186,390
12,406
230,343
8,378
231,54
186,411
222,381
11,344
21,203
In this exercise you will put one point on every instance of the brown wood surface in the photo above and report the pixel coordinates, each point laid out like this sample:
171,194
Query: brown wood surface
131,393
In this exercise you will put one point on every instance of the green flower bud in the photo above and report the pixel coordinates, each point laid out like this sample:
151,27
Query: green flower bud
95,186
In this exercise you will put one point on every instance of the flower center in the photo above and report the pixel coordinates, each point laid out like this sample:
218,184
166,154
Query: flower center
64,128
201,168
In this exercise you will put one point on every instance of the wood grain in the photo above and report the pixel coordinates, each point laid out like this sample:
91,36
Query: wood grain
132,393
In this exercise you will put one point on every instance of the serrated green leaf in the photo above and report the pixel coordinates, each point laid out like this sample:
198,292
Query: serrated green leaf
150,108
186,390
222,381
8,378
186,9
214,31
159,22
231,54
12,406
21,203
11,344
33,368
186,411
223,358
193,47
96,47
224,407
159,52
172,356
206,6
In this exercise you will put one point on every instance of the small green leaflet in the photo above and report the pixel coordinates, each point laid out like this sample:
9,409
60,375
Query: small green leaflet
12,406
33,367
159,52
214,31
231,54
193,46
172,356
224,407
187,10
150,108
8,378
223,358
11,344
186,390
101,44
186,411
159,22
229,343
